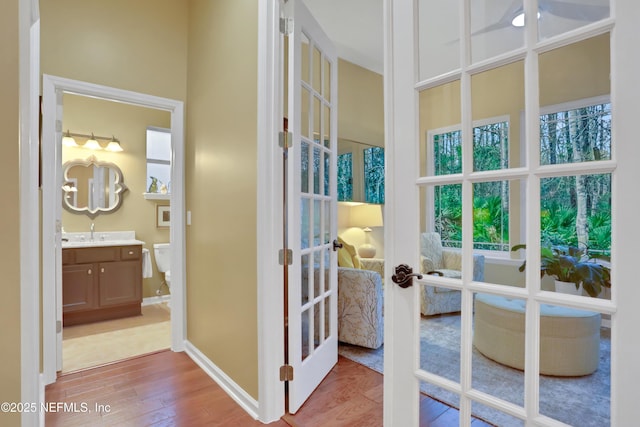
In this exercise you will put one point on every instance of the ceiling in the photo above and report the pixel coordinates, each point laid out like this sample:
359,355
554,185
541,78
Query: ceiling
356,28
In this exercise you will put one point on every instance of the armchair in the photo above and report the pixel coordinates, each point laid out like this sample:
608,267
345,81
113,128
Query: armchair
360,317
373,264
434,299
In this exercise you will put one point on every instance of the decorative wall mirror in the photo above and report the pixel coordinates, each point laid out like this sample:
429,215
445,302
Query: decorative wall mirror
360,172
92,187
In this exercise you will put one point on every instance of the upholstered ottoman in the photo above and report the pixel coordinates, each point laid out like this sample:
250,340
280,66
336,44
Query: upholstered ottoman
569,338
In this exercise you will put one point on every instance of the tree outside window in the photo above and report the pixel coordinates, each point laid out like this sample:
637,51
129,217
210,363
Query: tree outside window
490,199
374,175
345,177
575,210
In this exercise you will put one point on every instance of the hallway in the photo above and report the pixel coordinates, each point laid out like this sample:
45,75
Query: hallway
169,389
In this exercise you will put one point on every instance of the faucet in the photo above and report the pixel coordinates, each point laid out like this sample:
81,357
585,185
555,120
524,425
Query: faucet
93,227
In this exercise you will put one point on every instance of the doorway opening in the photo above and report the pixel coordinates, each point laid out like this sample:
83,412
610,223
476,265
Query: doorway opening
60,95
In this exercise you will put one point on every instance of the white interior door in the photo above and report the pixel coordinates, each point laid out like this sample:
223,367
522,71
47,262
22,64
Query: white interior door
312,278
456,72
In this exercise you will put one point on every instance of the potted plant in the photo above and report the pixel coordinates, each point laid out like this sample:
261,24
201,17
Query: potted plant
573,265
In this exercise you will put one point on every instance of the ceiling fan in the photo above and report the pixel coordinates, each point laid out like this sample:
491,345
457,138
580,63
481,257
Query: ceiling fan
561,9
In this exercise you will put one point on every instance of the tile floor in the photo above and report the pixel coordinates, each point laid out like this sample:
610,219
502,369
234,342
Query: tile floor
99,343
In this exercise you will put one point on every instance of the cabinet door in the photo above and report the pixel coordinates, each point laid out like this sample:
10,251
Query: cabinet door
120,282
78,291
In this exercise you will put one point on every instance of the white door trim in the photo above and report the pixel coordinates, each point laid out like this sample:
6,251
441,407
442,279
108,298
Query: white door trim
401,130
53,87
31,387
269,223
625,92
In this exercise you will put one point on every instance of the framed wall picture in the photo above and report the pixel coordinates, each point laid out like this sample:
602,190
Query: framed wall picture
163,218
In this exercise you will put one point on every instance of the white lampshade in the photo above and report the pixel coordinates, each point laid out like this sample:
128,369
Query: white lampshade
92,144
366,216
68,141
113,145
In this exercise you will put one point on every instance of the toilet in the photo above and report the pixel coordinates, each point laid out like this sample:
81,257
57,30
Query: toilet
162,254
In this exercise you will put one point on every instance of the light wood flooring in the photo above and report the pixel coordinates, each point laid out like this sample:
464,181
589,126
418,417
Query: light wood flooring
98,343
169,389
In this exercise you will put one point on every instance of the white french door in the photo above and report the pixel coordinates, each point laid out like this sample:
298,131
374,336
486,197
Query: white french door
312,205
450,65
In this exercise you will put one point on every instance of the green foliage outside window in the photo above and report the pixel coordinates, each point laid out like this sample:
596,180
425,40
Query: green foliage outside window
575,210
490,199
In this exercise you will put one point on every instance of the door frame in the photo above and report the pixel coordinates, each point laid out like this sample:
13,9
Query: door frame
31,385
269,229
52,88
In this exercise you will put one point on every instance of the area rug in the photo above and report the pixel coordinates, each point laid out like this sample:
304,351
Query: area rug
578,401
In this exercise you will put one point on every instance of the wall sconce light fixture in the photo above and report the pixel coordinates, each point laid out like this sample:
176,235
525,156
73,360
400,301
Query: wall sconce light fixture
91,143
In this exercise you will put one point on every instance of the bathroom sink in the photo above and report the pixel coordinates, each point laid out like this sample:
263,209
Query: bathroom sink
109,238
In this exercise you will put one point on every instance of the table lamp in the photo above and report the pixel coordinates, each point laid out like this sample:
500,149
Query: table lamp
366,216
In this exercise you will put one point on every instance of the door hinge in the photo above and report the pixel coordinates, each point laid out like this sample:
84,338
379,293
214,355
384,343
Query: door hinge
285,139
286,373
286,26
58,326
58,125
285,255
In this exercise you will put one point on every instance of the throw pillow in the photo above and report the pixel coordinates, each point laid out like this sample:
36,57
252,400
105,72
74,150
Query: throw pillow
347,255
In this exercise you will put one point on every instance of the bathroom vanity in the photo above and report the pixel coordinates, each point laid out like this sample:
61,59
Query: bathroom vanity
101,282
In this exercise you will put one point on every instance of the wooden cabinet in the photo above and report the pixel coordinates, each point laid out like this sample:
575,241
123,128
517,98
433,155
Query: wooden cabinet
101,283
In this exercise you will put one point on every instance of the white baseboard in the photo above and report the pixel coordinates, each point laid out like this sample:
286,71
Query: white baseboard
156,300
242,398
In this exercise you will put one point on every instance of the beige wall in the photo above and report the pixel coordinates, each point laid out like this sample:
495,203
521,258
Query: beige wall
360,104
128,123
221,181
135,45
9,217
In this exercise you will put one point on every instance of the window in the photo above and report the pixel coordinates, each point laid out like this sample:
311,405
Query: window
576,210
345,177
374,175
158,160
490,199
